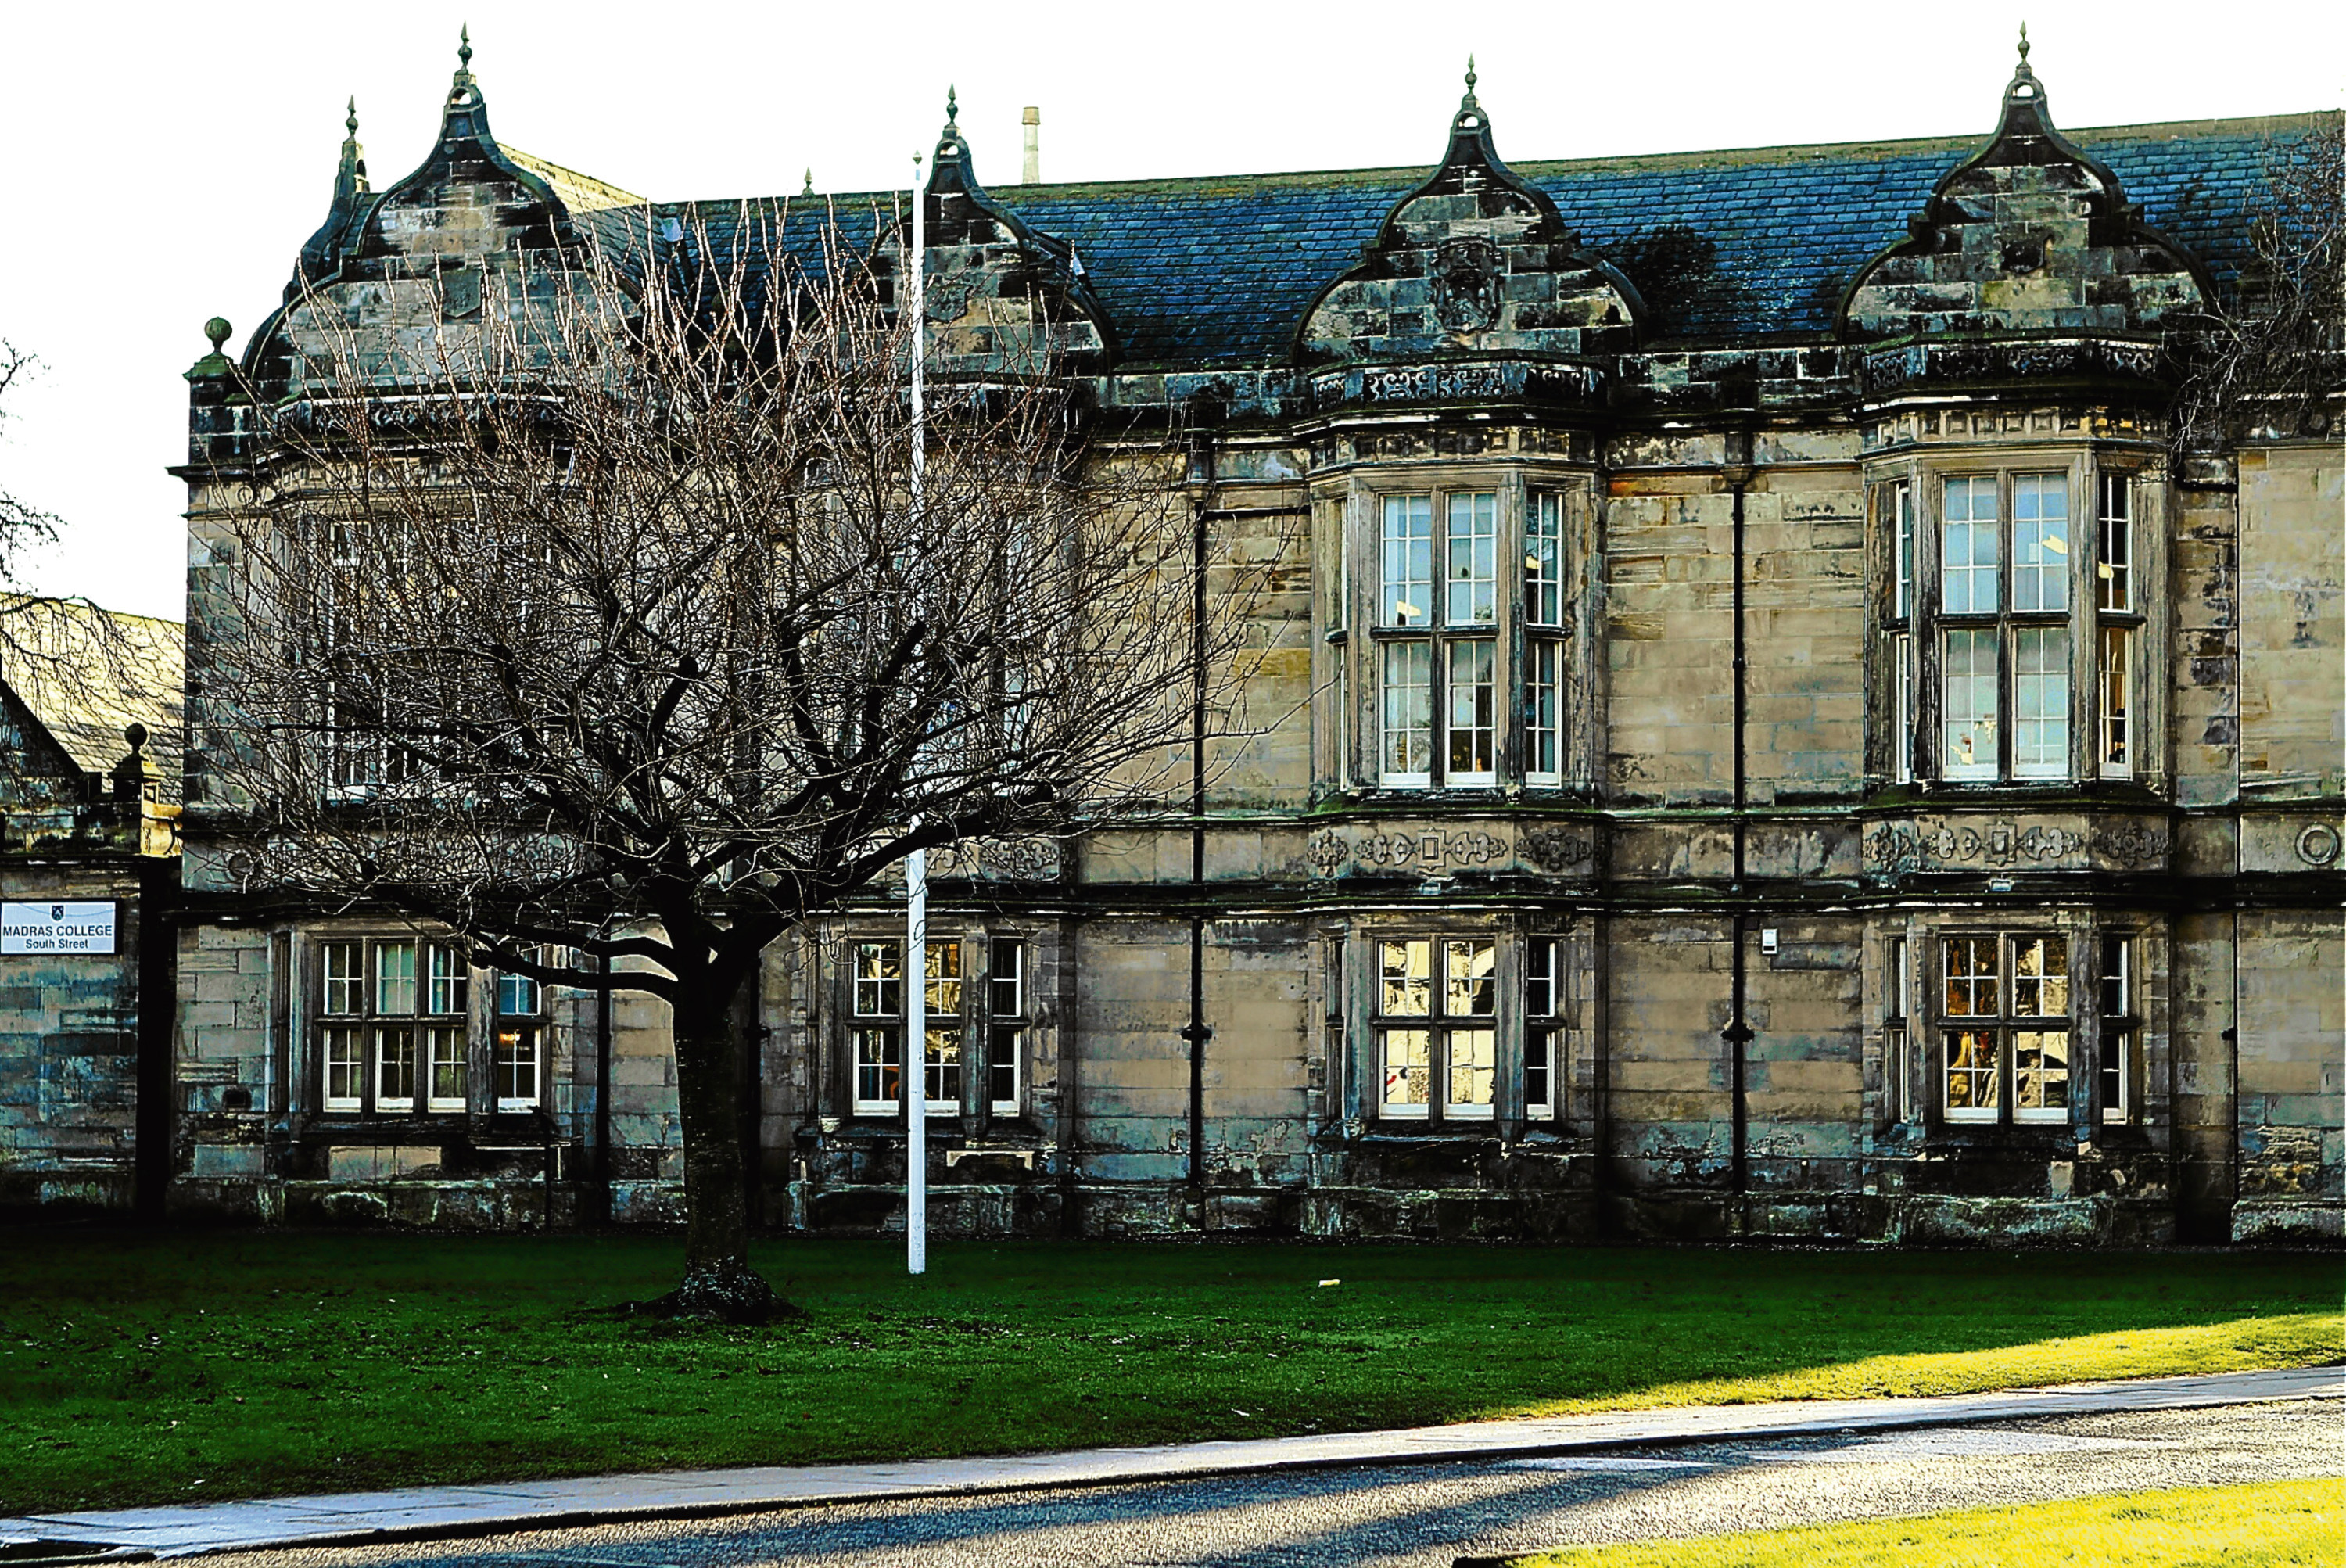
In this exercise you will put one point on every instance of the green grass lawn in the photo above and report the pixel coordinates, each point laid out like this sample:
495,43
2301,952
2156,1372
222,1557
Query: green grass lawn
2277,1524
208,1365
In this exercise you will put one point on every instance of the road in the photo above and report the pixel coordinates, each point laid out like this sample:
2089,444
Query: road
1428,1514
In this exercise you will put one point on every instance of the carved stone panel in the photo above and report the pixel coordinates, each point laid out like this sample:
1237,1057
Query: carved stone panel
1445,848
1996,843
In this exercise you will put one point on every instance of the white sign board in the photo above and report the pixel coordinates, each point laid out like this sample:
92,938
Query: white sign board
57,928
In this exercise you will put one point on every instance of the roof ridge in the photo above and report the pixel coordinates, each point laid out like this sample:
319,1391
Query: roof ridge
1011,194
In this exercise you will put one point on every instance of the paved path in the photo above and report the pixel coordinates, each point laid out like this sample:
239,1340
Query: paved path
431,1513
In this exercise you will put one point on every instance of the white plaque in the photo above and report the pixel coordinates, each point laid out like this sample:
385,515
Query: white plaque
57,927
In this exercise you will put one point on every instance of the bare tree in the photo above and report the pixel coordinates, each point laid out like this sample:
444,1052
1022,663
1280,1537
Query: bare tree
2273,359
22,525
613,628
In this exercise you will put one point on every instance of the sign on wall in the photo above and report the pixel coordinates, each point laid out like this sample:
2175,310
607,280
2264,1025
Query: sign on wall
57,927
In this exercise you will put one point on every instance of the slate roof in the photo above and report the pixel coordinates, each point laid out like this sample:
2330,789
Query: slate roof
1217,272
87,673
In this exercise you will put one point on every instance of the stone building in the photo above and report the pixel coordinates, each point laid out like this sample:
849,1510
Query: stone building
89,873
1767,741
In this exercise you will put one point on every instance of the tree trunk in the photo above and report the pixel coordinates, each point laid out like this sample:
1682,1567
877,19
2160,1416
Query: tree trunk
718,1280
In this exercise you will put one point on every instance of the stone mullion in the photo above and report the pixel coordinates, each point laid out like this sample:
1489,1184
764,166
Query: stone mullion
1507,1058
1580,667
1359,1028
2084,1027
1509,757
1358,649
976,1032
2085,625
1930,693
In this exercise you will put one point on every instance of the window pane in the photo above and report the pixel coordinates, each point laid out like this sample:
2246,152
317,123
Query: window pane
877,1080
394,1069
2113,572
1538,1046
2040,542
1474,701
2118,977
447,1047
1902,503
449,982
2118,1075
1471,558
2040,702
1001,1069
1893,977
2040,1074
1968,706
2040,977
1901,707
1473,1065
345,1068
1539,978
1408,710
516,1067
2117,700
1540,730
395,978
519,995
1969,548
1408,969
1971,1071
879,979
1409,1069
344,989
1009,970
943,1075
1406,550
941,994
1970,976
1543,559
1470,975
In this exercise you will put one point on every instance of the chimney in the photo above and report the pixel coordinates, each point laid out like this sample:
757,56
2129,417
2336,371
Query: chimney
1032,171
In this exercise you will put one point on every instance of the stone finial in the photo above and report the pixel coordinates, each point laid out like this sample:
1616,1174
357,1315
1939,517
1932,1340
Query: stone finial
2023,44
952,112
1468,101
350,123
135,733
808,189
218,329
465,48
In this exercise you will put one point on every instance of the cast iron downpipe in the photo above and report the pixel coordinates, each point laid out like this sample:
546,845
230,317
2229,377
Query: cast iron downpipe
1201,460
1737,1033
603,1096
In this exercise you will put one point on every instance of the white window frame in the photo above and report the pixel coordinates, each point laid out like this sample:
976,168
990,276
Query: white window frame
2005,1029
393,1011
521,1012
1007,962
2120,1002
2119,629
1544,1025
887,1028
1444,1027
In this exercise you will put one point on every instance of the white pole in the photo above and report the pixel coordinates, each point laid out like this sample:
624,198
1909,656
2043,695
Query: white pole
916,1063
915,1054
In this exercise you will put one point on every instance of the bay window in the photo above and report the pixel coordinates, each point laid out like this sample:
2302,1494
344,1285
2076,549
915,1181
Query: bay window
1459,700
2010,633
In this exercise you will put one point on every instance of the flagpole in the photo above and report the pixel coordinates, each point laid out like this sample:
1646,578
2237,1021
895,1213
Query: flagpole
915,1055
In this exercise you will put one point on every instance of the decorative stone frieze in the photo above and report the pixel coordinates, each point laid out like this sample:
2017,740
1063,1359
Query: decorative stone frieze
1995,842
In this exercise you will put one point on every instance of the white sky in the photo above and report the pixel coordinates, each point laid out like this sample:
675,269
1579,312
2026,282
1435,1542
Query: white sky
164,163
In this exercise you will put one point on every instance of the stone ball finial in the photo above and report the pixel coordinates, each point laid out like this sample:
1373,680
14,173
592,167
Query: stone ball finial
218,329
135,733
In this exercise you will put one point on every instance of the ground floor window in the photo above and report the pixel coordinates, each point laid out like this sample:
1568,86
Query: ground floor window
877,1009
393,1025
2004,1038
2121,1030
1437,1027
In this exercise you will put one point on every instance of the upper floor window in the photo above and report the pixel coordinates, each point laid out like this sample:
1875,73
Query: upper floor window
1455,703
2010,639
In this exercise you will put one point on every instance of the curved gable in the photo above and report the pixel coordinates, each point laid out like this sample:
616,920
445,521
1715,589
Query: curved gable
1474,260
2028,235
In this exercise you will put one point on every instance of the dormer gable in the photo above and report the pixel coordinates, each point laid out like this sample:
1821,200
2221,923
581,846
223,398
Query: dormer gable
1000,295
1476,260
2029,235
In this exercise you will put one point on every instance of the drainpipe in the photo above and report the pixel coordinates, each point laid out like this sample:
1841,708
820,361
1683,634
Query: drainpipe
1201,469
1737,1033
603,1096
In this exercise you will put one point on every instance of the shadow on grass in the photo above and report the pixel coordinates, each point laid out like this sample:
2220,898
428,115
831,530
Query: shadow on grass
178,1367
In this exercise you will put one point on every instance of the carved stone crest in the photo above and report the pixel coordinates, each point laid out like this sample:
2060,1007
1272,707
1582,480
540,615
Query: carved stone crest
1466,285
1558,849
2135,845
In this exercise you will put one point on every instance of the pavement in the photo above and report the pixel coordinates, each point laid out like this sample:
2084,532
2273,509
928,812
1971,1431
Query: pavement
431,1514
